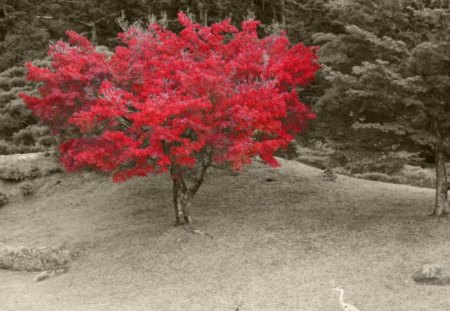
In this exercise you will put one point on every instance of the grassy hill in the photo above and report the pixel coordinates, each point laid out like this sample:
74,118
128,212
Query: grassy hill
278,245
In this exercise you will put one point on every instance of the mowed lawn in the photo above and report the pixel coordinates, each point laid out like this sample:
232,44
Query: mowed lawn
278,245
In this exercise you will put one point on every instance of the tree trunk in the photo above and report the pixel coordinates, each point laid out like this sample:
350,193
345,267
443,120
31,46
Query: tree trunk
94,39
3,22
205,17
182,199
184,192
441,204
283,13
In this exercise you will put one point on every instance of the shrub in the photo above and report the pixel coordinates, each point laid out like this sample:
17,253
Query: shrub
14,71
27,189
47,141
329,175
374,176
35,172
3,199
316,161
7,97
18,129
17,82
23,136
4,83
338,158
7,147
386,165
418,176
54,170
11,174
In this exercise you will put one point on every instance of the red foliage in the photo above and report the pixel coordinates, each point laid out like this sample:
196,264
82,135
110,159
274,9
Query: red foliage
164,99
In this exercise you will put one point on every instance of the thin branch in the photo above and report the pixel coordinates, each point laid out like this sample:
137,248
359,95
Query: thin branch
199,180
196,231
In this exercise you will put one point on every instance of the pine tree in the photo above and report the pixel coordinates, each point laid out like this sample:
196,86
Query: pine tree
388,70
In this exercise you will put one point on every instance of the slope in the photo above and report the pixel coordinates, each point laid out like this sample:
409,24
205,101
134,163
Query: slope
282,239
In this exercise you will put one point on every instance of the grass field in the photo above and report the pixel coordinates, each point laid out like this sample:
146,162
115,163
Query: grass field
279,245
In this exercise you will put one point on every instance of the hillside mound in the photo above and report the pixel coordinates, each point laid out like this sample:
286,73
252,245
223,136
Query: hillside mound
282,239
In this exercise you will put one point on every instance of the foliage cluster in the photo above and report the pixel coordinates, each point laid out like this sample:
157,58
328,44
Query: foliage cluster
3,199
12,174
16,174
27,189
19,130
26,26
384,164
386,76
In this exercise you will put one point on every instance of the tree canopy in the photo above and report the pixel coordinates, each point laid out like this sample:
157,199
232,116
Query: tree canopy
391,78
177,103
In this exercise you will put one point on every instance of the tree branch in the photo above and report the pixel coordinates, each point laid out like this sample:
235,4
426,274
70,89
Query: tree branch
199,180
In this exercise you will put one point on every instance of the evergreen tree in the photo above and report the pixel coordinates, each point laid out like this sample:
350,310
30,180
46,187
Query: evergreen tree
388,69
22,36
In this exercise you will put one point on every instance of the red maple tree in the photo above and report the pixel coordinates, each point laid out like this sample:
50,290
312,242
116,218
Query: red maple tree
177,103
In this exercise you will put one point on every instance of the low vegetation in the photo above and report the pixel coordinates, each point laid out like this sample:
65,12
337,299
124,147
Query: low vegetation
281,240
3,199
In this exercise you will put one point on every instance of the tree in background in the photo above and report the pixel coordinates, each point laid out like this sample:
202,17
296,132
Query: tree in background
19,131
22,37
174,103
26,26
388,70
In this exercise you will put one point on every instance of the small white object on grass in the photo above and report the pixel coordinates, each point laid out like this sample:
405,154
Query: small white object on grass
344,306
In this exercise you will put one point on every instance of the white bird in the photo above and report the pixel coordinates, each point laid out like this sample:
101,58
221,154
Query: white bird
345,306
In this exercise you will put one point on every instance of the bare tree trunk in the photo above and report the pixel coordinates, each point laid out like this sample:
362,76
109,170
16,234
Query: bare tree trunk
441,206
182,199
3,23
447,210
93,30
94,38
274,13
183,193
283,13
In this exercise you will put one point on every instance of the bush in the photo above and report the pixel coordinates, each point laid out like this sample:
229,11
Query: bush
35,172
14,72
338,158
6,97
47,141
4,83
316,161
23,137
385,165
374,176
11,174
54,170
33,135
17,82
329,175
18,130
3,199
27,189
418,176
7,147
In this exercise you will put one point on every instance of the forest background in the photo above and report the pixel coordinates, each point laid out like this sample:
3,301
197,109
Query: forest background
381,97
